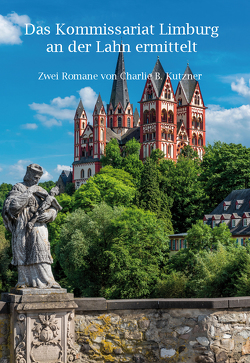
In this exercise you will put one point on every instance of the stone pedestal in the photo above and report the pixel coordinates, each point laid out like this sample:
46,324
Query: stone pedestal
42,325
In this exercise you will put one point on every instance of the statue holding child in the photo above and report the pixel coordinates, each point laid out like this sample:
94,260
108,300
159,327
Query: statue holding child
27,210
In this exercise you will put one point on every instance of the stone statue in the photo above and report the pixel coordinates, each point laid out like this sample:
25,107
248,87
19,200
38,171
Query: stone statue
26,211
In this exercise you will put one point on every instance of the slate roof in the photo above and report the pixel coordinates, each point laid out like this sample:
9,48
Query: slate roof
187,84
242,195
110,134
158,83
83,160
120,89
79,109
130,134
66,176
99,104
136,117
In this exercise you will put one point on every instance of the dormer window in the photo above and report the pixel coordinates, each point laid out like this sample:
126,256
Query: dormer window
244,222
233,222
239,203
213,224
225,207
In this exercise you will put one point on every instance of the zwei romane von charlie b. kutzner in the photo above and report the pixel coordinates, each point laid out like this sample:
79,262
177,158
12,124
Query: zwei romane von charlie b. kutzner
26,211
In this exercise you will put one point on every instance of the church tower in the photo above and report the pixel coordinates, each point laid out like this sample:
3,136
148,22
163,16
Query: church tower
158,121
80,123
191,111
99,131
119,110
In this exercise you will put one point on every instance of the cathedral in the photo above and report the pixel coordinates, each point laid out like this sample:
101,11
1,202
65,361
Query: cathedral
167,121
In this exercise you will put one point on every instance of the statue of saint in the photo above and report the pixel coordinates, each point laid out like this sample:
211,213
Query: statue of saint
26,211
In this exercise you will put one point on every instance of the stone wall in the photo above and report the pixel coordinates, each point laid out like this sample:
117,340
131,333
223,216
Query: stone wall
173,330
4,333
156,330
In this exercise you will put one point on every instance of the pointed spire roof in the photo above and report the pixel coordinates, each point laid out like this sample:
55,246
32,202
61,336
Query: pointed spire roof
79,109
188,83
99,104
136,117
120,89
158,72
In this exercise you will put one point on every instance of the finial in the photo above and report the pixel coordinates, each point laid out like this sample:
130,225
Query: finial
158,57
187,63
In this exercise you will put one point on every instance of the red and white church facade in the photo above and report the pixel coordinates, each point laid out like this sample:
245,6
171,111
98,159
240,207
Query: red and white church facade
168,120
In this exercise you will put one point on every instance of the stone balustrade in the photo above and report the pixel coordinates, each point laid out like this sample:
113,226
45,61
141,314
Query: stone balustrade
155,330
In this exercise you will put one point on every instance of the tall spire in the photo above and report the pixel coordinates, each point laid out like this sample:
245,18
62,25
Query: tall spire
188,83
120,89
79,109
158,77
99,104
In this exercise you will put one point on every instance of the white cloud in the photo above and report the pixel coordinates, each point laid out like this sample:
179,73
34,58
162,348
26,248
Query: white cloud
63,109
228,125
18,170
10,28
60,168
1,169
70,133
29,126
241,87
46,176
64,102
48,122
88,97
59,109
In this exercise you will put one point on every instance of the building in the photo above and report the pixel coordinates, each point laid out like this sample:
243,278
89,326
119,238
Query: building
168,121
64,179
234,210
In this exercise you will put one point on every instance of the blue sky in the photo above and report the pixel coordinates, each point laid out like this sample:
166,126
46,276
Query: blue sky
37,115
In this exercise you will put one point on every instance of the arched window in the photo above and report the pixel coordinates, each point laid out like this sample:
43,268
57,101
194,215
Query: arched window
194,139
96,121
128,123
179,90
84,152
146,117
119,110
89,172
102,121
164,115
102,135
179,102
170,117
111,122
91,151
200,140
152,115
82,174
170,136
169,94
119,121
194,123
149,93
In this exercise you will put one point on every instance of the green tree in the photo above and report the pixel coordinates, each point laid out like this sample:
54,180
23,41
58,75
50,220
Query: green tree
70,188
113,252
112,154
48,185
225,167
113,186
4,190
201,236
180,181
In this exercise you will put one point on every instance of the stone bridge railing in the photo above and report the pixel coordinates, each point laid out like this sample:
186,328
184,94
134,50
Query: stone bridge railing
155,330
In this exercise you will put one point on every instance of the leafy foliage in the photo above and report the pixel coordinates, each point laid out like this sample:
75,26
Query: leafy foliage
119,251
225,167
48,185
